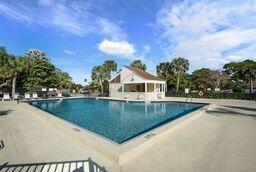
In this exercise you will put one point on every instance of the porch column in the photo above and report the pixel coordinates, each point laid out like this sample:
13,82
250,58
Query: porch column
146,90
154,87
122,88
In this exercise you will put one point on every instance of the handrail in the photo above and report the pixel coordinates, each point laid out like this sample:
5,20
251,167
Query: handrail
189,96
77,164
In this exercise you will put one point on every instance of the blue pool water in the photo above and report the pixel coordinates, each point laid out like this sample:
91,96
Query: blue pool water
116,120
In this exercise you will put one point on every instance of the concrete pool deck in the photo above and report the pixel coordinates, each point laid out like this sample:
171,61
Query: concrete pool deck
220,139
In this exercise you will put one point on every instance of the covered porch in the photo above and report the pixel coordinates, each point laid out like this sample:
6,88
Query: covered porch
144,90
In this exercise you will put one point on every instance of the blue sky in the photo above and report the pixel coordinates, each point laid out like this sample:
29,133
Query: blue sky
79,34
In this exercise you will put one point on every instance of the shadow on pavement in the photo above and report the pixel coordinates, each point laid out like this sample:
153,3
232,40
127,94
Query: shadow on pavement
243,108
61,166
226,111
4,112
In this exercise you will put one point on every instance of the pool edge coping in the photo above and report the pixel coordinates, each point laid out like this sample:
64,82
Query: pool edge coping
119,153
122,100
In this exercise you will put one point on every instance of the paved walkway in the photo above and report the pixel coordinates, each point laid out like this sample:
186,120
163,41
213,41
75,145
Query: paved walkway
222,139
29,139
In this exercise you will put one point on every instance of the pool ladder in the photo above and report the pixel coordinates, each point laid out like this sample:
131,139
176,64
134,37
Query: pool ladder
189,97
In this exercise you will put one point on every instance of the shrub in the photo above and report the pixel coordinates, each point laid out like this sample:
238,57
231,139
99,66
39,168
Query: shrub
243,96
65,94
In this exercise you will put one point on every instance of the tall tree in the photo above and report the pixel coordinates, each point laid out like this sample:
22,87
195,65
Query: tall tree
63,80
31,55
103,72
206,78
138,64
242,72
217,78
30,72
235,80
11,69
200,78
179,66
41,72
164,70
248,70
4,57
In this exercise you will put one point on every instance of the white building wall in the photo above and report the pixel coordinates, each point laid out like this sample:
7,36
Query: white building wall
127,76
114,87
137,96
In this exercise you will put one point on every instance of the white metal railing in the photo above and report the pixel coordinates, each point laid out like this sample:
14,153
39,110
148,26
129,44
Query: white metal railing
189,97
62,166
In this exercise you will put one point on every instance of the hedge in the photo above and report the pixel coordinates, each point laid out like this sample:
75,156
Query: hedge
243,96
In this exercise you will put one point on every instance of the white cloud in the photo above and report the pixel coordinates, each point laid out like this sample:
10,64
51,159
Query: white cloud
140,55
69,52
110,29
70,19
208,33
22,14
74,17
46,3
116,48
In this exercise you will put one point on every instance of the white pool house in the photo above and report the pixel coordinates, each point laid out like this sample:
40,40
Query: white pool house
134,83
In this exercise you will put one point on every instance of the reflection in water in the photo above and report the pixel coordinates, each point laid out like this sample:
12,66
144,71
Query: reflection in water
148,110
57,103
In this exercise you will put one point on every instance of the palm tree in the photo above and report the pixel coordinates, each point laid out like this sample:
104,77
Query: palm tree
11,69
30,55
248,71
164,70
64,80
138,64
179,66
103,72
242,72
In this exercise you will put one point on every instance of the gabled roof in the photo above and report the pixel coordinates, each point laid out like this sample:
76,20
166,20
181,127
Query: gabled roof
116,79
143,74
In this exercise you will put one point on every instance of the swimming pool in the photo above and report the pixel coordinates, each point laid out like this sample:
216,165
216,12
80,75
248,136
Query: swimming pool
118,121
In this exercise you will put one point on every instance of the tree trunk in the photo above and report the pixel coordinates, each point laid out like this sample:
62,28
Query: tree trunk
251,85
101,89
178,82
217,86
14,84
